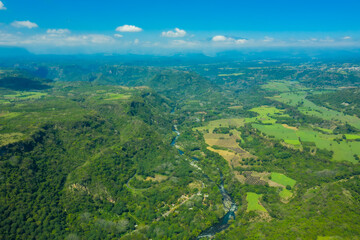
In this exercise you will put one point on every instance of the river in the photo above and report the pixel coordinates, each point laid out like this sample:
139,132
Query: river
228,202
223,223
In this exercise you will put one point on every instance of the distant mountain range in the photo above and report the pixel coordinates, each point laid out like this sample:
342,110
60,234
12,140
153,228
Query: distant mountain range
186,58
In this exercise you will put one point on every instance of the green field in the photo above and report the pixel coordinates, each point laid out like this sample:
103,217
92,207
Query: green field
285,194
25,95
230,74
116,96
309,108
210,126
352,136
325,130
343,150
328,238
277,86
2,101
323,138
294,94
266,114
279,132
8,115
282,179
279,178
253,202
266,123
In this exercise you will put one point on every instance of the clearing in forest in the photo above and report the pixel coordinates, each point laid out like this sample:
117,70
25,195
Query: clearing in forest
236,107
266,115
8,138
156,178
210,126
298,99
282,86
228,147
116,96
289,127
230,74
225,144
24,95
344,149
233,159
279,132
282,179
253,202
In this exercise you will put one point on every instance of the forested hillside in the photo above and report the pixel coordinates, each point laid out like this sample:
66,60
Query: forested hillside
228,150
68,161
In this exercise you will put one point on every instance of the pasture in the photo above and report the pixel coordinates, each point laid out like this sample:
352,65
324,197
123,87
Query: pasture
156,178
352,136
210,126
285,194
266,115
225,145
265,122
343,150
236,107
298,99
7,115
277,86
253,202
116,96
231,151
279,132
232,158
230,74
24,95
282,179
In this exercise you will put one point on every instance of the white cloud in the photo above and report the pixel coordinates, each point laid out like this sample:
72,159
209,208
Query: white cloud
64,41
346,37
58,31
24,24
86,39
224,39
2,7
54,40
179,42
240,41
219,38
174,34
328,39
183,43
128,28
8,39
268,39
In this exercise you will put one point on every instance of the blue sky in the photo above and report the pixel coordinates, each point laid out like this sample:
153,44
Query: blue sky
166,27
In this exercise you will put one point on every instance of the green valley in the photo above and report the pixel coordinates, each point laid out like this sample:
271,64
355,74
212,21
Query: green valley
219,150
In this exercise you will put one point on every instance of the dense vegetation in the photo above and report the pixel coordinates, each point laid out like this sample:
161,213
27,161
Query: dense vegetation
87,155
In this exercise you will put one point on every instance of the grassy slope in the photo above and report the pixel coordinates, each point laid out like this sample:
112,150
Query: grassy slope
253,202
309,108
282,179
